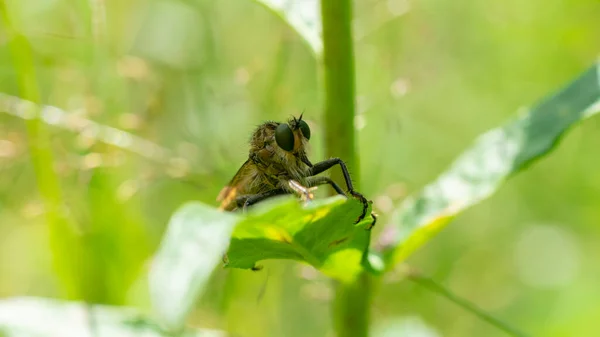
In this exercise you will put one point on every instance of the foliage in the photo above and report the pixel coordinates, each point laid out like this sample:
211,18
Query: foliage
71,319
193,245
322,234
283,230
495,156
173,73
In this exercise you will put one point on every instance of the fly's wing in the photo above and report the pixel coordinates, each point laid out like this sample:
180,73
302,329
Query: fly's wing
238,183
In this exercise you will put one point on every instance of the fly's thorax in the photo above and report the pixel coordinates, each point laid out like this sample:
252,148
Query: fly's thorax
284,167
295,168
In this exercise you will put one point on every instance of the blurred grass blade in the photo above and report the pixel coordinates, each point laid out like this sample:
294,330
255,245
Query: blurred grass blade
321,233
195,241
40,317
302,16
65,244
59,118
495,156
437,288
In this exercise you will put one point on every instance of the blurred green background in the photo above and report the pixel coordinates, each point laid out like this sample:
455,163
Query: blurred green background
195,78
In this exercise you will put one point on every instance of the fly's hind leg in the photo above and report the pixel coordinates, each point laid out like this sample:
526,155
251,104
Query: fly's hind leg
243,201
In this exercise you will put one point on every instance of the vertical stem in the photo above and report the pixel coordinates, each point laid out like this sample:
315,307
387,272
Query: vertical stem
338,63
352,301
351,307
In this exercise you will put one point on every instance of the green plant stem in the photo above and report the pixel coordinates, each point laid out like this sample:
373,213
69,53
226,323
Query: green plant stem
433,286
352,300
351,307
338,64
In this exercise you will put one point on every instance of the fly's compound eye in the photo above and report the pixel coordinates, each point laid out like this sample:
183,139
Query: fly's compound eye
284,137
305,129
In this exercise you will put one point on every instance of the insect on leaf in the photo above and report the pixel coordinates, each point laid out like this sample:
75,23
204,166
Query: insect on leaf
495,156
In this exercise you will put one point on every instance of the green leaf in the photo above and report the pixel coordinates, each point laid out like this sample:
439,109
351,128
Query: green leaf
39,317
321,233
494,157
195,241
302,16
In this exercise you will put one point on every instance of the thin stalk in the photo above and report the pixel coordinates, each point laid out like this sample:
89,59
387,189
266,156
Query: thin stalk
435,287
352,300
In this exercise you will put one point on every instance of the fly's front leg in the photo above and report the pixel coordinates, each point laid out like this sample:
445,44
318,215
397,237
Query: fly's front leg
315,181
329,163
305,193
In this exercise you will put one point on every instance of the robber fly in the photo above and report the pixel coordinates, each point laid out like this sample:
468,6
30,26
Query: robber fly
278,164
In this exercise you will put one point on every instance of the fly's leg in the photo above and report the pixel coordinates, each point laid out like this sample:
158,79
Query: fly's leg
372,224
316,181
243,201
329,163
305,193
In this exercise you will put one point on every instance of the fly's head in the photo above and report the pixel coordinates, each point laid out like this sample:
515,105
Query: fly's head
281,143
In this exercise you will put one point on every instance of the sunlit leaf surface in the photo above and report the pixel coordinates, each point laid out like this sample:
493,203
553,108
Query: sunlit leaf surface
495,156
27,317
321,233
303,16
